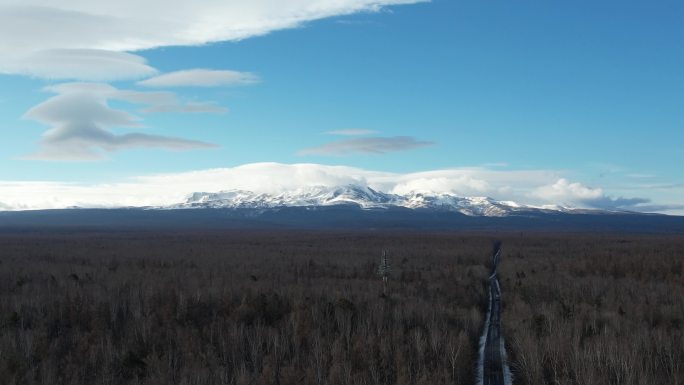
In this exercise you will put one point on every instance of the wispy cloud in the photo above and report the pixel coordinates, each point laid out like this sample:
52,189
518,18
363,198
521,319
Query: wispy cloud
200,78
80,120
79,64
619,203
96,41
352,132
88,40
189,107
372,145
676,209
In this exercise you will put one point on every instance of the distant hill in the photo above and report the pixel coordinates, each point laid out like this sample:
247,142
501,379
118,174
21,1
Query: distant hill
342,216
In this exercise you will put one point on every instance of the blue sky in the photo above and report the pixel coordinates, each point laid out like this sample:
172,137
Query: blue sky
586,92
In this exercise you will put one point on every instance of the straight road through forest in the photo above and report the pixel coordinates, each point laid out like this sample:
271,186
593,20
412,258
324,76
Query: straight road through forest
492,360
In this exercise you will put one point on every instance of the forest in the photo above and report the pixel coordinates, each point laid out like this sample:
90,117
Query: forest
294,307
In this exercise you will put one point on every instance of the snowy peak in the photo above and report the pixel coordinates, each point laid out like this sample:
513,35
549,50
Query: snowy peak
473,206
364,197
360,196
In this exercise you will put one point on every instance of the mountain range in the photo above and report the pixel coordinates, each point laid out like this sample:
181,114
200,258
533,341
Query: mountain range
363,197
349,207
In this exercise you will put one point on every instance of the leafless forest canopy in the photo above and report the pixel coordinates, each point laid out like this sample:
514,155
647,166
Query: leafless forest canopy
308,308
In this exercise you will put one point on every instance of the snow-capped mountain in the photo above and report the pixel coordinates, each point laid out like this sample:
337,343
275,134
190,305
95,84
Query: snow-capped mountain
349,207
313,196
359,196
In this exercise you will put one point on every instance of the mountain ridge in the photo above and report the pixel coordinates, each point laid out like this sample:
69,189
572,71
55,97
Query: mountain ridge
367,198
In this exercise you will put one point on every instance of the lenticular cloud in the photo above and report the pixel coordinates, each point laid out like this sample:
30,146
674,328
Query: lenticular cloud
88,40
80,120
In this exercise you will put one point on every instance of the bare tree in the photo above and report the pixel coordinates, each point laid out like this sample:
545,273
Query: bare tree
384,270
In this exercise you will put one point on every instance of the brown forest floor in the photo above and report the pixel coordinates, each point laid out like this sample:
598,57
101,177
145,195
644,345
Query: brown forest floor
307,308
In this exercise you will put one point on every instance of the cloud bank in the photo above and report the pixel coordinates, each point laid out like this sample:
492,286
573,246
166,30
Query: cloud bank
567,193
88,40
81,120
534,187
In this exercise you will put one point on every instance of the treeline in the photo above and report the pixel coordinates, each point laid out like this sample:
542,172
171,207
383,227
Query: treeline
308,308
238,309
595,309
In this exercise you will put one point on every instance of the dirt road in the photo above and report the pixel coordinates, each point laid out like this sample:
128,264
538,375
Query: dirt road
493,361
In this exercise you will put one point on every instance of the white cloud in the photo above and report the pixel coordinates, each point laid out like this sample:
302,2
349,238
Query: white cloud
80,120
373,145
80,64
563,190
522,186
200,78
476,181
97,41
462,182
266,177
576,194
173,188
82,38
352,132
